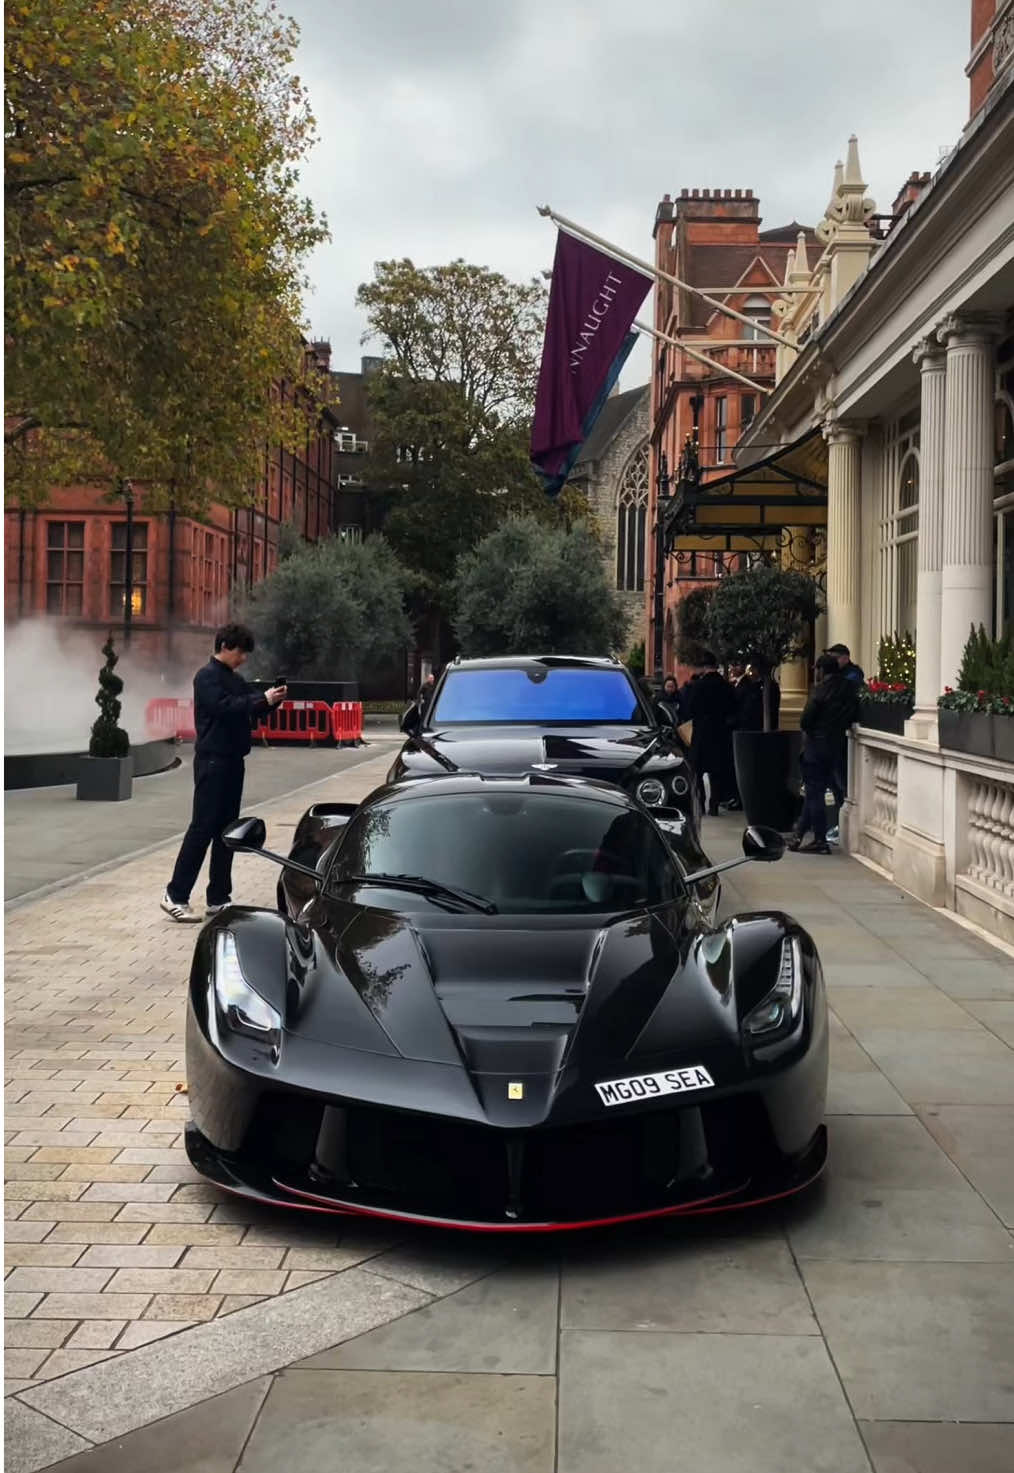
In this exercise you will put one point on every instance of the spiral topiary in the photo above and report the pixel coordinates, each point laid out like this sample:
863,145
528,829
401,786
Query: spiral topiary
108,739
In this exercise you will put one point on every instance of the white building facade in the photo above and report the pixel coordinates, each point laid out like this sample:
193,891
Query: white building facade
904,360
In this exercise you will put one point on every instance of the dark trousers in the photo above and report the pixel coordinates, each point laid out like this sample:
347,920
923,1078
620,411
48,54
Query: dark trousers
218,792
818,776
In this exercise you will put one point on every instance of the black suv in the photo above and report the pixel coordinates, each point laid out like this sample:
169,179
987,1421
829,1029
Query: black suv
560,714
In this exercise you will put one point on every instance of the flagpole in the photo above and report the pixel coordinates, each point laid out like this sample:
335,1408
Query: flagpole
619,254
663,337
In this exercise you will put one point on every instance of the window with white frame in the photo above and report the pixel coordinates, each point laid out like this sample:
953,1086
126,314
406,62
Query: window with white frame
898,526
631,517
758,309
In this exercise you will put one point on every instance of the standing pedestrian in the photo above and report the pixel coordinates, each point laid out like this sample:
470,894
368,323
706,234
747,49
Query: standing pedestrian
712,711
669,701
829,713
854,673
224,705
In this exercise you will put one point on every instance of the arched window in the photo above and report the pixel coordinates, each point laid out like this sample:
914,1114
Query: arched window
631,515
758,308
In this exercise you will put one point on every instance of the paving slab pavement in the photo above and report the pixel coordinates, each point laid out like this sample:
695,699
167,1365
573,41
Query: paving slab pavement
868,1325
50,837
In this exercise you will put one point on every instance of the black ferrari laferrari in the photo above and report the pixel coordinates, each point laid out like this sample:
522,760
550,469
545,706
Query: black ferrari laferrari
504,1004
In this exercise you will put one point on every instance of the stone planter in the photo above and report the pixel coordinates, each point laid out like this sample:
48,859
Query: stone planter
105,779
1003,738
884,715
767,774
968,731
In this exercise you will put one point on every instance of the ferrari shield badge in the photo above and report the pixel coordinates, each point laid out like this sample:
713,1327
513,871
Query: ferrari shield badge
515,1091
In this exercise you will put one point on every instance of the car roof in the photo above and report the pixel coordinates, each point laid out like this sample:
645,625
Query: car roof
518,662
535,785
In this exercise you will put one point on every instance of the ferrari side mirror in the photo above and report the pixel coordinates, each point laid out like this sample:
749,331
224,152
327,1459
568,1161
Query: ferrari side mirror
758,843
249,834
411,721
762,843
245,833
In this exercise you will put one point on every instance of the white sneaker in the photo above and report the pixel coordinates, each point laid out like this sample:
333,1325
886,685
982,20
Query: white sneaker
213,910
178,912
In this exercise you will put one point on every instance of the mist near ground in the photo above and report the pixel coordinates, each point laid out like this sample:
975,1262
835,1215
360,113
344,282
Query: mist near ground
51,679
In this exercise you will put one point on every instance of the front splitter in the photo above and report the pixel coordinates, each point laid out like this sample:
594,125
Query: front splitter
750,1193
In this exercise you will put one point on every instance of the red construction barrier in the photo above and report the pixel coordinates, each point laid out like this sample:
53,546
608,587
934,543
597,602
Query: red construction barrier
347,722
169,718
296,721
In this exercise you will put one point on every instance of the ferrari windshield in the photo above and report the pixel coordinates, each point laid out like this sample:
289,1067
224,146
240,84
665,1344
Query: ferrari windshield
540,694
524,853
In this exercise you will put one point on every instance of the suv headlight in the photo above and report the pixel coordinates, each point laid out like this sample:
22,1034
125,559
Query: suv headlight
243,1009
780,1009
651,792
680,786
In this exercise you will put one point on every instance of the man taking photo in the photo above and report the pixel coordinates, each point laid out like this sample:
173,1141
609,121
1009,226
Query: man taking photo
224,706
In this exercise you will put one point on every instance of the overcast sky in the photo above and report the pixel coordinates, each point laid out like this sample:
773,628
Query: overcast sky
443,123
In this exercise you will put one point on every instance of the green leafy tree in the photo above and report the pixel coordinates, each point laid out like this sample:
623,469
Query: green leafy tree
332,610
155,244
693,632
526,589
108,739
635,658
451,411
763,616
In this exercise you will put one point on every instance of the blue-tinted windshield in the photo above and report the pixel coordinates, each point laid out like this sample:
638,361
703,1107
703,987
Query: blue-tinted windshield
537,694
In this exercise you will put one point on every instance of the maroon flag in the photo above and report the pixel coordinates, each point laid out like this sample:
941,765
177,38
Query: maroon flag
592,302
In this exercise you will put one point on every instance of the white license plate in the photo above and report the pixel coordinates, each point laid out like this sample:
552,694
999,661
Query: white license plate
648,1086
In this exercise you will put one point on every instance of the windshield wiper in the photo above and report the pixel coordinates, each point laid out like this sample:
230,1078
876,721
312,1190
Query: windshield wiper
422,745
421,886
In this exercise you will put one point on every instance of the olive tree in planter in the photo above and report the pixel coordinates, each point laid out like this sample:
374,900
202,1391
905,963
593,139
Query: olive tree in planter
763,617
106,774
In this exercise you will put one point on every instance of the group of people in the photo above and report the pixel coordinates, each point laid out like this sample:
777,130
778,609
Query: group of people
717,706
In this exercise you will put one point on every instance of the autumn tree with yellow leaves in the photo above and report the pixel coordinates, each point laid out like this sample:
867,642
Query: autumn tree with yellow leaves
155,243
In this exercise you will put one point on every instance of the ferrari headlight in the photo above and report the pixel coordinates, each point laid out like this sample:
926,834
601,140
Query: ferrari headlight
780,1009
651,792
244,1010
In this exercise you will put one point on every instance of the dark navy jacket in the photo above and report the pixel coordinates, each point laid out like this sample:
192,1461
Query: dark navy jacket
224,706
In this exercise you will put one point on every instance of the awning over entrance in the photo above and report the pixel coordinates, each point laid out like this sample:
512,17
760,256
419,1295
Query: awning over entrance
749,510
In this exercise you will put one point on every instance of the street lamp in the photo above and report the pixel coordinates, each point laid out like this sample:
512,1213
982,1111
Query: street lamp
661,503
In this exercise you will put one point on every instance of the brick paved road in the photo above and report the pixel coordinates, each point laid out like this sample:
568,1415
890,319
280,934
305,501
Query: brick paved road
112,1239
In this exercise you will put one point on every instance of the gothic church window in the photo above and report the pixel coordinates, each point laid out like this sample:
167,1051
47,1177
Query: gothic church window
631,516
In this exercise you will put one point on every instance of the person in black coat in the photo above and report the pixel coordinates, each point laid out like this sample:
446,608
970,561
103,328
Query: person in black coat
224,708
712,709
829,713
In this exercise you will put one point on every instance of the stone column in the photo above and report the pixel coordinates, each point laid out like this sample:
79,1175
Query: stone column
967,576
932,365
794,676
844,548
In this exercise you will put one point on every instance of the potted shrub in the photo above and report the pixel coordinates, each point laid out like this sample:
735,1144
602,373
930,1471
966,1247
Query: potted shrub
976,717
106,774
885,704
763,617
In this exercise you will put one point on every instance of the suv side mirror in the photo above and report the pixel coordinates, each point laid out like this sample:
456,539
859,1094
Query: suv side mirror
663,716
411,721
764,844
245,833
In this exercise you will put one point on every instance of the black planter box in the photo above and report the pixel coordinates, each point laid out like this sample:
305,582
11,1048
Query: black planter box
884,716
767,773
105,779
968,731
1003,738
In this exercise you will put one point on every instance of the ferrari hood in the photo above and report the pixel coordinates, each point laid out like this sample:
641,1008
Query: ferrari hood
517,1006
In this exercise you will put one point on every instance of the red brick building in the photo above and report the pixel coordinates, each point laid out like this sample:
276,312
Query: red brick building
992,47
712,240
66,560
